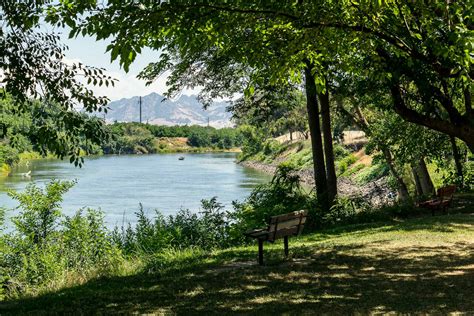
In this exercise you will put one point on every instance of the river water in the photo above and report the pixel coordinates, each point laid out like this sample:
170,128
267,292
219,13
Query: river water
117,184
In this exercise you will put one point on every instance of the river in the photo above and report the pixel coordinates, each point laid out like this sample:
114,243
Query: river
117,184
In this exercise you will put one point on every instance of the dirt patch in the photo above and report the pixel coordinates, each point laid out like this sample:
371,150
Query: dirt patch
363,158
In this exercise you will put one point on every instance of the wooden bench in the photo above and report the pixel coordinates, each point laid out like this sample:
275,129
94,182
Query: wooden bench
442,201
281,226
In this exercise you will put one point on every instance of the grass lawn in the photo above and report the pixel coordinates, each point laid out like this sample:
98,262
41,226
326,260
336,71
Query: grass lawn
422,265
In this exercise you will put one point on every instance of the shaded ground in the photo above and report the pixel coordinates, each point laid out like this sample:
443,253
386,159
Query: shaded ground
424,265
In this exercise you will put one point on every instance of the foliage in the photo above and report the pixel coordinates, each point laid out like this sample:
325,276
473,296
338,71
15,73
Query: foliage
253,139
282,195
40,210
34,71
374,172
131,138
33,129
207,230
344,163
45,245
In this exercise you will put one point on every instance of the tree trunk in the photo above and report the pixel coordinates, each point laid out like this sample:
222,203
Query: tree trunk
468,102
316,142
403,194
419,189
457,161
328,147
425,179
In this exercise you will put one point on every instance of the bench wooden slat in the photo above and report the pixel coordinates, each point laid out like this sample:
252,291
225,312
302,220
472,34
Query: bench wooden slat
289,216
283,232
286,224
256,233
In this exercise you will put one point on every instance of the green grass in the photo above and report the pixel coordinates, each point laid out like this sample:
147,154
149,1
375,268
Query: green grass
422,265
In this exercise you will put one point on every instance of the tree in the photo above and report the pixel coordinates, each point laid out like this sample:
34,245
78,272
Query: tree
224,51
34,70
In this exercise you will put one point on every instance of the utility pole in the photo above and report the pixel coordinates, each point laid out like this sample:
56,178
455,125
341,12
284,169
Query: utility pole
140,102
208,121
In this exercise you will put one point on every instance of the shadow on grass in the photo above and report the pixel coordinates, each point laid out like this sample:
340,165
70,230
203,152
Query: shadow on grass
340,279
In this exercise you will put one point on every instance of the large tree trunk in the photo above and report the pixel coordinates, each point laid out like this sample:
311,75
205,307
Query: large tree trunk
457,161
403,194
425,179
316,142
328,147
419,189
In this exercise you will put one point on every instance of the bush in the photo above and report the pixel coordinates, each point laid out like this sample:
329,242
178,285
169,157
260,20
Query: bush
45,245
372,173
8,155
40,210
282,195
206,230
345,163
340,151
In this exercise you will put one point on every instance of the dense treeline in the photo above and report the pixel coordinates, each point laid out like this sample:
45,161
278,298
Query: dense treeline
23,134
129,138
36,131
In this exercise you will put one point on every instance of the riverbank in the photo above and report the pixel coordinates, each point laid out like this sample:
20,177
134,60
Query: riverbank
377,192
357,175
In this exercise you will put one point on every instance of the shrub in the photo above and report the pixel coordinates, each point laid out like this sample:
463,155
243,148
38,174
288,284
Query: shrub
345,163
8,155
87,243
339,151
45,245
372,173
207,229
282,195
40,210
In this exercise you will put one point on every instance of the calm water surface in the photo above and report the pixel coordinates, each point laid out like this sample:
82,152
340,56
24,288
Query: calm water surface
117,184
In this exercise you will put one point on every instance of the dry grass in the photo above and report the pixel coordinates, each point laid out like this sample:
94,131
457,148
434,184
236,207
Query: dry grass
421,266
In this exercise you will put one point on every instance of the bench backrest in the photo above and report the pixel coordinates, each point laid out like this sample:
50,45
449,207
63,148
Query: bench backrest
290,224
446,193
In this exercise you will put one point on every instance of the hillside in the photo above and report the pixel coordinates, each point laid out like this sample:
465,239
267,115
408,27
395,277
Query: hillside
357,175
186,110
417,266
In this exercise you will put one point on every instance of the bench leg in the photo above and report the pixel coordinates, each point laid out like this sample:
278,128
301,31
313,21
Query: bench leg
260,252
285,241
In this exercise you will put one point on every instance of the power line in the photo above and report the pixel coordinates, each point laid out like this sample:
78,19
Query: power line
140,102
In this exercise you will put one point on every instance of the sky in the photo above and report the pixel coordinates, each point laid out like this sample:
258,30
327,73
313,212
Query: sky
93,53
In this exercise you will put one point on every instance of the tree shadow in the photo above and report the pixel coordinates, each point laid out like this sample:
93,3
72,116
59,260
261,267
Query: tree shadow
357,278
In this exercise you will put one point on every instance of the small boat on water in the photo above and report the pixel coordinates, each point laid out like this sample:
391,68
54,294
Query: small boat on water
181,158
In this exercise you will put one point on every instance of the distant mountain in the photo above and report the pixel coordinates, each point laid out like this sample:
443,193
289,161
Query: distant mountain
186,110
